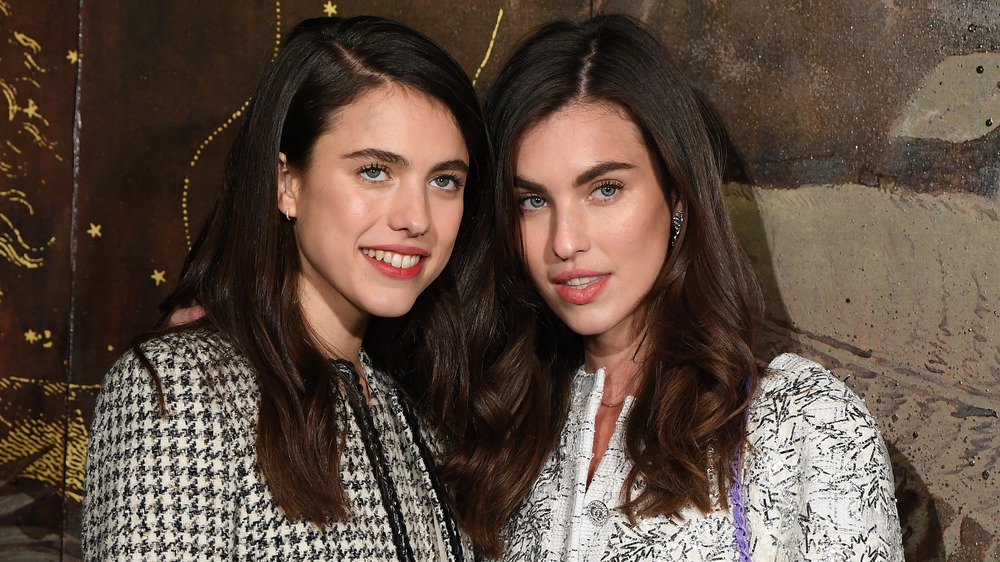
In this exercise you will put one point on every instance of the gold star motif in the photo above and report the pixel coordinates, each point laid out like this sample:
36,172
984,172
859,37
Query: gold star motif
94,231
32,110
158,276
330,9
72,56
32,336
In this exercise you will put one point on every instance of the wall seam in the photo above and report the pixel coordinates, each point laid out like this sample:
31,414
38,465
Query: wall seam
73,251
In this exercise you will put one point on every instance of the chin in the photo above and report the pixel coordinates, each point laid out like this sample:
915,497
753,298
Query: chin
390,312
393,309
583,327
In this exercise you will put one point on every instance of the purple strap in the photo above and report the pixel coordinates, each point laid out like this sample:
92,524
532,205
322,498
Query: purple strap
739,511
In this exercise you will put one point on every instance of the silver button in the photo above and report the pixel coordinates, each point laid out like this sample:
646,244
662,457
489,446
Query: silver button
598,512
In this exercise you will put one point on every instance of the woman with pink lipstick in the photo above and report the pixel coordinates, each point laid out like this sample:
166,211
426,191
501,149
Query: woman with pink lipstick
289,422
634,421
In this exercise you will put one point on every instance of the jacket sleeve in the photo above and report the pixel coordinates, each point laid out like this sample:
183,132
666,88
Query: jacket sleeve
848,509
158,487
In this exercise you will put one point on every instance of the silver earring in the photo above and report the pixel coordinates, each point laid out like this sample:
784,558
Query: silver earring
286,214
675,229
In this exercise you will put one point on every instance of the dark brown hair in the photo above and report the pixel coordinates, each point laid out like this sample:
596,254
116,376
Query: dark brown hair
244,266
701,315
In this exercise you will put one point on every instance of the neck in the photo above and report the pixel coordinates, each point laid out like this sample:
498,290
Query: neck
338,330
621,362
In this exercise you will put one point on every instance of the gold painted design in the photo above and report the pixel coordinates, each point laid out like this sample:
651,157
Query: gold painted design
29,61
28,42
330,9
10,95
44,336
39,138
72,56
158,276
489,50
94,231
186,190
32,111
24,130
29,430
12,244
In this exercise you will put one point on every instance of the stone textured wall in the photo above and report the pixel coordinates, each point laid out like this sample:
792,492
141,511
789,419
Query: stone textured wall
864,168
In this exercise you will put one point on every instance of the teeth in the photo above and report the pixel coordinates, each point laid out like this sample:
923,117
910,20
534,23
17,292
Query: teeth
396,260
581,281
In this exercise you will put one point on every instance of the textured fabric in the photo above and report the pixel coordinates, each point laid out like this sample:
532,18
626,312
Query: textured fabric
187,487
817,485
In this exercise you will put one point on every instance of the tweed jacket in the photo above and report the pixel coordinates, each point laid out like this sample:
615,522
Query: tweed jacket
188,487
816,481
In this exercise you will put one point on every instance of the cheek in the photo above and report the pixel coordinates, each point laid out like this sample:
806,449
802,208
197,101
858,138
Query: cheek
533,244
447,221
644,226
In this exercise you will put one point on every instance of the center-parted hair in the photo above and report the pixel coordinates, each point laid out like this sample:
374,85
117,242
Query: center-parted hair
699,321
244,267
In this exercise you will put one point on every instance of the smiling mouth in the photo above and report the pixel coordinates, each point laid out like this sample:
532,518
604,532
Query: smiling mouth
403,261
580,289
580,282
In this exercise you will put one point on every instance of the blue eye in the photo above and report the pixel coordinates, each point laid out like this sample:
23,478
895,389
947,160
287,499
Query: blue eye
607,190
374,172
532,201
447,182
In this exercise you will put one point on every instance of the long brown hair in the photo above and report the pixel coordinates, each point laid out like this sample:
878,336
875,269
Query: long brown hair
244,266
701,316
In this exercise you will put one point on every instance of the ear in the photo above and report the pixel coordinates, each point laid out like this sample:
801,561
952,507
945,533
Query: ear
676,205
288,187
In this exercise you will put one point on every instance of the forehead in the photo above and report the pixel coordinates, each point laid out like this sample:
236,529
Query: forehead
396,118
391,101
579,135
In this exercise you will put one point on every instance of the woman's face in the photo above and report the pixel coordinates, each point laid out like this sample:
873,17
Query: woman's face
594,221
378,209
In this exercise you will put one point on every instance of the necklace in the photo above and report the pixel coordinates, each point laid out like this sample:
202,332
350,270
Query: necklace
612,405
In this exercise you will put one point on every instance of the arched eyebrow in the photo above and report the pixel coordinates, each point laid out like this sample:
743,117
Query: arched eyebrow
451,166
379,154
395,159
585,177
522,183
601,168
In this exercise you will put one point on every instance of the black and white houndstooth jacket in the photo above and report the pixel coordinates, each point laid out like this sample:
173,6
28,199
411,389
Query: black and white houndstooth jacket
187,486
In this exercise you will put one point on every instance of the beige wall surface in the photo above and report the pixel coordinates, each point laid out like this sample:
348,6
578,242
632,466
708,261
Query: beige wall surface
864,166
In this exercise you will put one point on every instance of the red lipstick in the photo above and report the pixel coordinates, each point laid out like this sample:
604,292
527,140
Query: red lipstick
391,271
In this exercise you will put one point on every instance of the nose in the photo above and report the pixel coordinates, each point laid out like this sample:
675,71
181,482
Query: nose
409,209
569,234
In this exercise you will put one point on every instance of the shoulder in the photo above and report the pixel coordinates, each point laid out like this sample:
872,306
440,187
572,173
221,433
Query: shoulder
795,386
806,420
190,349
189,367
802,406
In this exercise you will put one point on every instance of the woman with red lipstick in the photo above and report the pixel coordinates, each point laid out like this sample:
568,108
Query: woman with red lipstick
632,418
288,422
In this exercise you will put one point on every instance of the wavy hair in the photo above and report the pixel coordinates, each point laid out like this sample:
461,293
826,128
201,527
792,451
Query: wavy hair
244,266
700,319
